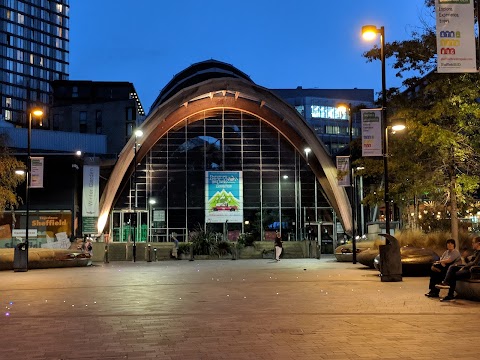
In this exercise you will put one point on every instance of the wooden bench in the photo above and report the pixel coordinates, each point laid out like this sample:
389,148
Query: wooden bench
470,288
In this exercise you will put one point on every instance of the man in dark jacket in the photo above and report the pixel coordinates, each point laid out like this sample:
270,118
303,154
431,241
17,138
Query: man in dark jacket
455,273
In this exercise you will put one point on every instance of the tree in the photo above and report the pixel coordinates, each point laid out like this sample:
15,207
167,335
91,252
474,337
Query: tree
439,155
8,179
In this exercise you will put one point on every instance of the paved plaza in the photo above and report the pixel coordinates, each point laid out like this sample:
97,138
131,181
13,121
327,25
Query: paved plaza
244,309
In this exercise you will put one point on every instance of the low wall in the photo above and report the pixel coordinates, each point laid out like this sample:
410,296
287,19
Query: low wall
124,251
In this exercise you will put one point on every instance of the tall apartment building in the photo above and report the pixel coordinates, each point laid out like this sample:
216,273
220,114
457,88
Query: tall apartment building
34,49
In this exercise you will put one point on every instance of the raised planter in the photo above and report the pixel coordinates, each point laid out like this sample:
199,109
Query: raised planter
47,258
470,288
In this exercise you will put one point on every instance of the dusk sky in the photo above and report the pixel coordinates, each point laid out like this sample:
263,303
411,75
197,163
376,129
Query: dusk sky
279,44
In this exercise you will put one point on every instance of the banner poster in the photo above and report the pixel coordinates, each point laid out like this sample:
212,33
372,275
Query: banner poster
223,196
455,36
90,198
36,173
343,169
371,132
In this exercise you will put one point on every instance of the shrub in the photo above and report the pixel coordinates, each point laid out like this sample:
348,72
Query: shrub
223,248
184,248
247,239
204,242
433,240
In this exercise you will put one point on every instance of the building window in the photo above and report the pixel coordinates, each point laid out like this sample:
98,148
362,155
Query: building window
56,122
8,102
328,112
130,114
75,91
300,109
8,115
329,129
98,121
129,130
83,121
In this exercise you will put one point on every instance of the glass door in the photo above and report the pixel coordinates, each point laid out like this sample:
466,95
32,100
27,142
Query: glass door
129,225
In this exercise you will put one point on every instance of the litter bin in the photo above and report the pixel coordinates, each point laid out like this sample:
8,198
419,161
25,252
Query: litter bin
20,257
390,260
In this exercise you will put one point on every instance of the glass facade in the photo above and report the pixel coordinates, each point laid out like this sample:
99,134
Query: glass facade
279,189
330,122
34,48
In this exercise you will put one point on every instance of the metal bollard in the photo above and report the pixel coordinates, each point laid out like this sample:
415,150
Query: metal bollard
155,254
149,253
105,257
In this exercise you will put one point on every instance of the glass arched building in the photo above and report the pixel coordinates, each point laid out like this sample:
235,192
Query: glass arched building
221,152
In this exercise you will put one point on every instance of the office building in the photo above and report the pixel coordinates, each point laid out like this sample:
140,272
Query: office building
320,108
96,107
34,48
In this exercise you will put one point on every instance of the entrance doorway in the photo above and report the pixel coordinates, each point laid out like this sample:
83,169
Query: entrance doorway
128,225
324,234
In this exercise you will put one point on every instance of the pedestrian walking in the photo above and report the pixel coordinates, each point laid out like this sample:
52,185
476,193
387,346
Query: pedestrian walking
278,245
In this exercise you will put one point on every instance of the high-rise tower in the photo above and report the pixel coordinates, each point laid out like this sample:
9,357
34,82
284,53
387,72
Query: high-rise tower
34,49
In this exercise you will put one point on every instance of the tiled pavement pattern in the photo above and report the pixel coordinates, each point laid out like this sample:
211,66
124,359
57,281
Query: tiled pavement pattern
245,309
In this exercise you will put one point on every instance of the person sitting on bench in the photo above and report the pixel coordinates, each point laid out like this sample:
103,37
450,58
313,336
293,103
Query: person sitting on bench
455,273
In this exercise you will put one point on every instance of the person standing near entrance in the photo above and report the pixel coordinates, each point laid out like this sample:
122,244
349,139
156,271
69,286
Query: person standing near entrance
278,245
175,246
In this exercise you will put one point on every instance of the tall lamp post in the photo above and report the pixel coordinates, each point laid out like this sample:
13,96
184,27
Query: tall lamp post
22,264
138,133
390,260
307,151
369,32
347,108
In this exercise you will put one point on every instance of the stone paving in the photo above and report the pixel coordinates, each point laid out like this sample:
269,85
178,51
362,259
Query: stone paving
244,309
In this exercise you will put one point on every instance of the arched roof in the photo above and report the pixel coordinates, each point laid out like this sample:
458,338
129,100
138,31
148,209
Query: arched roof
234,93
195,74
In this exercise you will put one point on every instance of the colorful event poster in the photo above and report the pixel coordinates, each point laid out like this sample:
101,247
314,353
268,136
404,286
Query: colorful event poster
223,196
455,36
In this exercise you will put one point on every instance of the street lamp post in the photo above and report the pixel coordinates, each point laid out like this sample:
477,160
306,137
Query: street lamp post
37,113
151,202
307,151
138,133
370,32
390,261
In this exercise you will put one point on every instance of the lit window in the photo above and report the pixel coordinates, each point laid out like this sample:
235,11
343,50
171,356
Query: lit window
8,102
59,8
300,109
21,19
8,115
329,129
31,58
